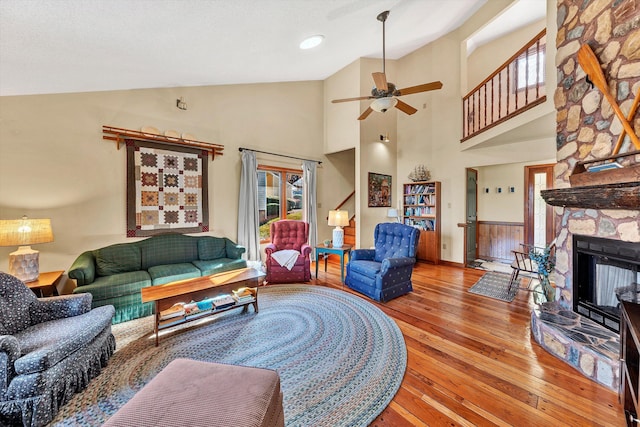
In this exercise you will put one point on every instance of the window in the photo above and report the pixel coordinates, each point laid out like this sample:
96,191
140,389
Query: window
530,68
279,196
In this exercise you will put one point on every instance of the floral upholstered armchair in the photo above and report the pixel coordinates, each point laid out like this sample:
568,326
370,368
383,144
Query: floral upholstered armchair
385,272
50,348
289,239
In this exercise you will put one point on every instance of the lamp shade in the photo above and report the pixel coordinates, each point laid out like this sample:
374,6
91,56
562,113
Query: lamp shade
381,105
392,213
25,231
338,218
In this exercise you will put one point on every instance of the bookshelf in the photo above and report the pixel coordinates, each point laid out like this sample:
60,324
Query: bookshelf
421,209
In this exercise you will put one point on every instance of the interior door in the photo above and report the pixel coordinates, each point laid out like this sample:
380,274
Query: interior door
539,227
472,216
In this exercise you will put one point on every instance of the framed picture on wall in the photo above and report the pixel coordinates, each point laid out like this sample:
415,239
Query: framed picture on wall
379,190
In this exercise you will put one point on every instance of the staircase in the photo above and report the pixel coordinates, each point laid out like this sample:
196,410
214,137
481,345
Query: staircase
350,232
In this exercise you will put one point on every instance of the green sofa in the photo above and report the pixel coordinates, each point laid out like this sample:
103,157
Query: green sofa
115,274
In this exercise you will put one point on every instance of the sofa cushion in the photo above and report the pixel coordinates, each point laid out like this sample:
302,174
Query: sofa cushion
168,249
220,265
366,268
161,274
119,258
210,248
116,285
45,344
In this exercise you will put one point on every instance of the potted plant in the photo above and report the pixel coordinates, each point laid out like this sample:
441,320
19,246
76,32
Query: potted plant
546,261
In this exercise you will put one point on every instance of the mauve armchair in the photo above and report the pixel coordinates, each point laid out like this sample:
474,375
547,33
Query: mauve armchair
385,272
293,235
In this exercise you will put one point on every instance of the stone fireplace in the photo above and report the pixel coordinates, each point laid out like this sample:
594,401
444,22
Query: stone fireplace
587,129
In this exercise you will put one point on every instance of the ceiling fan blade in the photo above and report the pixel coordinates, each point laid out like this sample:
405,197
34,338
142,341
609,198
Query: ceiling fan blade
360,98
405,108
420,88
380,80
366,113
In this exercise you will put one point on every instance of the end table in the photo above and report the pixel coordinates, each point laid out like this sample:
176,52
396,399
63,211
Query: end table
49,279
345,249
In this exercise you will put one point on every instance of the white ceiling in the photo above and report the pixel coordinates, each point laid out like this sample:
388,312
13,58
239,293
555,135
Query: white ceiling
58,46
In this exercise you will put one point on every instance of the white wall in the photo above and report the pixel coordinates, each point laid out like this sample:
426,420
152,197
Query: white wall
487,58
55,164
504,206
341,129
432,136
374,155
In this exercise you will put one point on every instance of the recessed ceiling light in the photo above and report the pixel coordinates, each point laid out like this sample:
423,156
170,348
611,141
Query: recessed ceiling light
311,42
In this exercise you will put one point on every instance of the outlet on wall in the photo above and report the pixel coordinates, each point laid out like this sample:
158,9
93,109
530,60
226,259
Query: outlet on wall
444,246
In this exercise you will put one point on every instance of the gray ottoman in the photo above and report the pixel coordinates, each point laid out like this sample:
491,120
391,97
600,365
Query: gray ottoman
193,393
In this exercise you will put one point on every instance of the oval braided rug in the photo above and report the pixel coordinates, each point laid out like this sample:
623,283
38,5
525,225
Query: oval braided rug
340,358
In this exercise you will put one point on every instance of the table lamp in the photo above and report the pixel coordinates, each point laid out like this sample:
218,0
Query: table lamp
24,263
338,219
393,213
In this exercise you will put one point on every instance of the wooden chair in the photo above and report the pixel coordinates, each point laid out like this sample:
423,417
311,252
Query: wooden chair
524,264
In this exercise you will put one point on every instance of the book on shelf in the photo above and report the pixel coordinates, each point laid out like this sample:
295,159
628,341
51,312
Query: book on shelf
243,292
223,301
176,310
243,300
422,224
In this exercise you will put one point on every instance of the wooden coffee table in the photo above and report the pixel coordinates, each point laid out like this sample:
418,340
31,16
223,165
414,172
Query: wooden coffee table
198,289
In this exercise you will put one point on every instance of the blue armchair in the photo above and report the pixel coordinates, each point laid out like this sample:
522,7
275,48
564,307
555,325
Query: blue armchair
384,273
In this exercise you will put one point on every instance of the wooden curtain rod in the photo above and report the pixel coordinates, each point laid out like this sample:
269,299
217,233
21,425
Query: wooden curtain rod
281,155
119,135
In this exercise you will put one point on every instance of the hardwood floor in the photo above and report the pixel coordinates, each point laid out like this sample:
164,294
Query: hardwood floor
471,360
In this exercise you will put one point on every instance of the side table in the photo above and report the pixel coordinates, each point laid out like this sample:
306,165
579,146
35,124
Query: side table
345,249
46,280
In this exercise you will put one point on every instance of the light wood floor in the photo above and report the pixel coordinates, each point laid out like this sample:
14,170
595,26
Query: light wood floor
471,360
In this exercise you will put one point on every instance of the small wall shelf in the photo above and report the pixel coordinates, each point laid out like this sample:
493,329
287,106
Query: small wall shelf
119,135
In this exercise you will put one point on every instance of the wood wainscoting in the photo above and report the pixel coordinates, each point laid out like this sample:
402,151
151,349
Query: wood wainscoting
497,239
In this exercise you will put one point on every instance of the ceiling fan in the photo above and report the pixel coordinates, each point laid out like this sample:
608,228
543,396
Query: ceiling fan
385,94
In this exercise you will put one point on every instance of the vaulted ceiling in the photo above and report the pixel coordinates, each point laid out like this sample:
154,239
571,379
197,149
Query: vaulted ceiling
58,46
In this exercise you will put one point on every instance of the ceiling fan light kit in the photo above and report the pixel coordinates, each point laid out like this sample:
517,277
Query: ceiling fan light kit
381,105
385,93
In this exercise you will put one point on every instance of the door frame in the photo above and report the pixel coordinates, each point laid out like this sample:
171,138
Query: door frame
466,228
529,196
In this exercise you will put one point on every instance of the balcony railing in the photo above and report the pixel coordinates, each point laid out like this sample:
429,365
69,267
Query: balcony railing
515,87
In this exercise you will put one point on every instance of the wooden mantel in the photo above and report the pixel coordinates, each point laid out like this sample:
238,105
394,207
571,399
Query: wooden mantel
119,135
604,196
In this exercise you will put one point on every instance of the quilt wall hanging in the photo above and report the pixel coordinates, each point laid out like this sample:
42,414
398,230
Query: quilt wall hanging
166,189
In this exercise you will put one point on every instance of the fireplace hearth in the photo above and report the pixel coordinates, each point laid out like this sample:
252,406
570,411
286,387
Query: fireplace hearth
604,271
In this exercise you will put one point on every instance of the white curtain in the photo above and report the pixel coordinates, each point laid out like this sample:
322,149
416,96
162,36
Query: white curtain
310,200
248,219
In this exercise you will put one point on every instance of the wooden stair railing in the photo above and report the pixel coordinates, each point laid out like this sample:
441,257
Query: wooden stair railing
515,87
